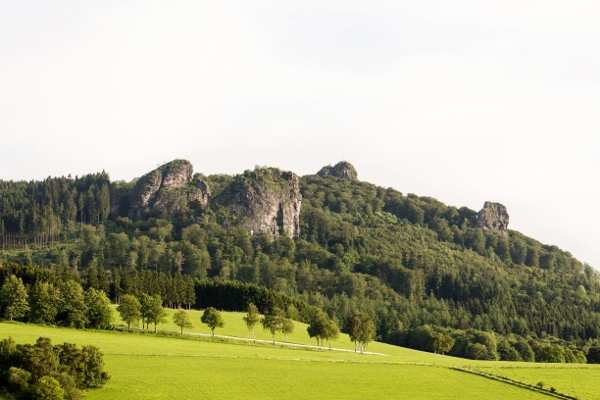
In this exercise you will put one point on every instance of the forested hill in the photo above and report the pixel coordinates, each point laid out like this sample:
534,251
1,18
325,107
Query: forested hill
413,263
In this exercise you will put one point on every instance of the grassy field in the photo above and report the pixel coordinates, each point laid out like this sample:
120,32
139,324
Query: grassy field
149,367
581,381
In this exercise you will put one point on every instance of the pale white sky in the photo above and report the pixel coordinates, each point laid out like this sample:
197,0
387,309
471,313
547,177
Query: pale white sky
464,101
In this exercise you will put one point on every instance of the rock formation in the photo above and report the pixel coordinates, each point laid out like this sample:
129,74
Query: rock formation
493,217
170,187
267,199
342,170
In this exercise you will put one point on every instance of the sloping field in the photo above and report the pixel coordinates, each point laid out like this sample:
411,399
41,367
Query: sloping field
581,381
149,367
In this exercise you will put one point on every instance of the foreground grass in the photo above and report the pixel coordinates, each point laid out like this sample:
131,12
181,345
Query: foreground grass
151,367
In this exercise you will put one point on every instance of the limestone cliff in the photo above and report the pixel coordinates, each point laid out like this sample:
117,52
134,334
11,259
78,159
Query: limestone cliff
341,170
169,188
493,217
268,201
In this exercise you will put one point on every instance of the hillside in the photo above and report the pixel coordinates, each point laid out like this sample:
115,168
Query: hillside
415,264
222,369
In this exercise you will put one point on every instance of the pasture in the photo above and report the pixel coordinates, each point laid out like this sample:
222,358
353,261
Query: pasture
145,366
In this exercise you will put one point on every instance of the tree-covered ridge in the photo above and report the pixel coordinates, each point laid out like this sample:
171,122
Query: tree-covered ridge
417,266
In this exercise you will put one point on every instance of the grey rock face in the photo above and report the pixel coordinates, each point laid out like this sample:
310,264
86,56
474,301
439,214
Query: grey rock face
493,217
342,170
167,188
268,206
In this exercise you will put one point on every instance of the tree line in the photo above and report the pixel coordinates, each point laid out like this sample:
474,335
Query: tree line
406,261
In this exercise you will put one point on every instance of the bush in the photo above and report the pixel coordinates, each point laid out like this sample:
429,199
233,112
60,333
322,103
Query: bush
593,356
48,388
476,351
551,354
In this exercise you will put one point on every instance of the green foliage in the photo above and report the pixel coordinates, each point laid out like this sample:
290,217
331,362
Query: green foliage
273,321
287,326
129,309
593,356
99,313
50,372
156,313
13,298
212,318
551,354
407,261
72,311
48,388
476,351
252,318
318,327
45,301
361,329
182,319
442,343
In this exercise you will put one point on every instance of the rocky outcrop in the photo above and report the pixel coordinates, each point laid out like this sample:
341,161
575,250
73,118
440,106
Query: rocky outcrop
169,188
493,217
268,201
341,170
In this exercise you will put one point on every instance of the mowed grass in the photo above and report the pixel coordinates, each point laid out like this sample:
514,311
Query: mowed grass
235,326
578,380
150,367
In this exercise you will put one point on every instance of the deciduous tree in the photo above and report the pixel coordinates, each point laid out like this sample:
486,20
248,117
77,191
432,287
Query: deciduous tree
157,313
252,318
129,309
361,330
287,326
99,313
182,319
72,310
45,300
213,319
273,321
13,298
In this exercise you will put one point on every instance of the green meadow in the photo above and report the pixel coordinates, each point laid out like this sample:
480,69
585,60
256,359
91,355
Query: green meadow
146,366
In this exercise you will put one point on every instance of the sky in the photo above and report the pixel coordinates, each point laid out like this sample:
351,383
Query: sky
465,101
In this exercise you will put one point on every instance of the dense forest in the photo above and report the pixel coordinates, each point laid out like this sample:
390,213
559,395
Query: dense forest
417,266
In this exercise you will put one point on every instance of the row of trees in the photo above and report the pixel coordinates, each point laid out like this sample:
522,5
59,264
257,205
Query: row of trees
66,304
44,371
406,261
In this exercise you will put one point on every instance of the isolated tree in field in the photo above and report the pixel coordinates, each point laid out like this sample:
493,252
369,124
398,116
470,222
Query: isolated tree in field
213,319
157,313
182,319
361,330
129,309
441,343
273,321
13,298
99,314
318,327
287,326
252,318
